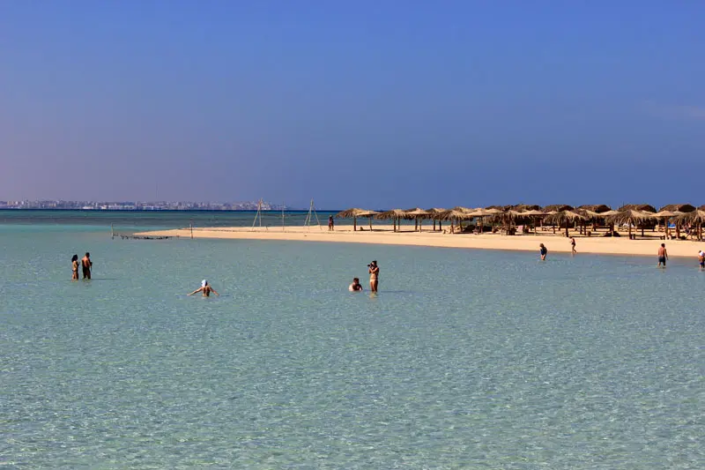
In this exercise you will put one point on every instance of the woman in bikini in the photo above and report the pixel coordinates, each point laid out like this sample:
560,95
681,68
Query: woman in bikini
374,276
74,266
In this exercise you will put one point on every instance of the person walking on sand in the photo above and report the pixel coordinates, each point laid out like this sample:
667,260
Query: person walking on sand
87,266
206,289
74,268
374,275
355,286
543,251
331,223
572,245
662,256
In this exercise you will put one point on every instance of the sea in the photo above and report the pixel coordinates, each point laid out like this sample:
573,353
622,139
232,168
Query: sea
465,359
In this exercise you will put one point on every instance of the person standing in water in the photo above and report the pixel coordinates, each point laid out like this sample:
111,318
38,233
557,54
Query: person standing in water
74,268
374,275
205,288
662,255
87,266
543,251
701,259
572,245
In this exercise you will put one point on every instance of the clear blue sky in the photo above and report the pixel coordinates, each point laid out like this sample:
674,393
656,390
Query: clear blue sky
361,103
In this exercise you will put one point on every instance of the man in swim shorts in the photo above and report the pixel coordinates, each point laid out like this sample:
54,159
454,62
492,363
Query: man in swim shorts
662,256
206,289
87,265
355,286
701,259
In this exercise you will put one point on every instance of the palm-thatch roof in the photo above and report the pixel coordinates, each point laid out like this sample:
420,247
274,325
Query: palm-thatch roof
499,208
416,213
558,208
456,214
436,210
525,207
564,216
597,208
392,214
694,217
533,213
630,216
667,214
485,212
638,207
355,212
678,208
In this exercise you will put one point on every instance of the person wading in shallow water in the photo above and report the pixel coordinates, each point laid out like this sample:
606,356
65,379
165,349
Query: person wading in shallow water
87,266
205,288
662,256
374,275
74,268
543,251
572,245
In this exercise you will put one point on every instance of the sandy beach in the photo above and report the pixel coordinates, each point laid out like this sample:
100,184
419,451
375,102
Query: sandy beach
383,235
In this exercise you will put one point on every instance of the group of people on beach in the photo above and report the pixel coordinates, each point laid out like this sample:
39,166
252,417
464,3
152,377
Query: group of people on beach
85,264
662,254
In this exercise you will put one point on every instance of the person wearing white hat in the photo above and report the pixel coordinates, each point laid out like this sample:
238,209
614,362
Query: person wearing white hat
205,288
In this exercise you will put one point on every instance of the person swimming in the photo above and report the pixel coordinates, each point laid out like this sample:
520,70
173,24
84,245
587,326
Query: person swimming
74,268
206,289
355,286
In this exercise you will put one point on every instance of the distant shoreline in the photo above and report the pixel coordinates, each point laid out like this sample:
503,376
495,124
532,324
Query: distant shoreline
304,211
383,235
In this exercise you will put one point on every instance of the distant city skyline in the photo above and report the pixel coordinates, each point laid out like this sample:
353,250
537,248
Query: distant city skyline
370,104
140,205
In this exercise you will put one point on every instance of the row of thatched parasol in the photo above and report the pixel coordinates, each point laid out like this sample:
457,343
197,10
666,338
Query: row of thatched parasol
633,215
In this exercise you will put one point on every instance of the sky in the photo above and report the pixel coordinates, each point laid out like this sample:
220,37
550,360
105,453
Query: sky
373,104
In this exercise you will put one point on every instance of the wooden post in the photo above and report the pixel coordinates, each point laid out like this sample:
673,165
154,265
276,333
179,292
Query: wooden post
112,232
191,227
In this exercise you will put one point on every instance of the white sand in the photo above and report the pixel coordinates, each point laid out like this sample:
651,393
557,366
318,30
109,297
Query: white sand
384,236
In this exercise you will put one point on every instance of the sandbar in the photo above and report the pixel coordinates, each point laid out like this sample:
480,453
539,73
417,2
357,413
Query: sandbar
383,235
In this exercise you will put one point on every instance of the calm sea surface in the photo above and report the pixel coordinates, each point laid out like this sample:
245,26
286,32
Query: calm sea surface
466,359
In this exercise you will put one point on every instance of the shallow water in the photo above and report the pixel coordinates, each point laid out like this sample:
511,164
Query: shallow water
466,359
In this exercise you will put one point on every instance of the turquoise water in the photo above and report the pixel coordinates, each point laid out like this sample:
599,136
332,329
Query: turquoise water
466,359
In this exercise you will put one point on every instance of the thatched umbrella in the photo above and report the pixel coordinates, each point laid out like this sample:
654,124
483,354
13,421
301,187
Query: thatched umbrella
482,213
459,213
535,215
597,208
435,214
682,208
665,215
354,213
416,214
638,207
696,218
525,207
557,208
394,214
565,217
631,217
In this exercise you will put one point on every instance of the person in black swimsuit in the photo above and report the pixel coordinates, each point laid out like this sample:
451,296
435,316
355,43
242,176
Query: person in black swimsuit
543,251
